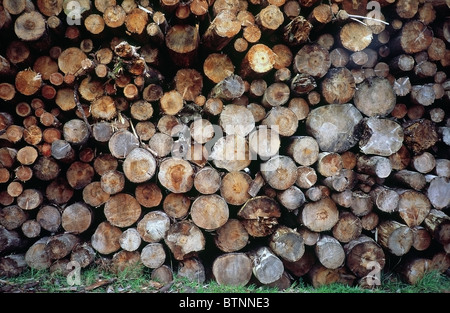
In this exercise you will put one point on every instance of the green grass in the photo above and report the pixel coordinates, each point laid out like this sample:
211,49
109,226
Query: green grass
138,280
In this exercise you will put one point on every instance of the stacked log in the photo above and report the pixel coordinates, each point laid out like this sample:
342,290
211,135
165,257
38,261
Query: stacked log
238,141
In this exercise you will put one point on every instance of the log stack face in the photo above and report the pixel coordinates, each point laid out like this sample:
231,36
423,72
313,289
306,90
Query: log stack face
231,140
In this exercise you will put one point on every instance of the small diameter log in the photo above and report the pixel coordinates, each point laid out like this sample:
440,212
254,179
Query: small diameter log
162,274
223,28
330,252
209,212
319,216
320,276
423,129
259,215
267,267
421,238
348,227
232,236
269,19
396,237
171,102
182,41
328,164
184,239
276,94
28,82
280,172
232,269
287,244
362,254
234,187
334,126
306,177
31,228
121,215
106,238
189,83
297,31
381,137
77,218
413,207
61,245
437,223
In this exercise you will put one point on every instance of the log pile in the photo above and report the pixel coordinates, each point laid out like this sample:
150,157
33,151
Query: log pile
240,141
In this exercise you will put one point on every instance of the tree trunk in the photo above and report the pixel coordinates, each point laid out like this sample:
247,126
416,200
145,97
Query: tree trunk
184,239
209,212
259,215
232,269
397,238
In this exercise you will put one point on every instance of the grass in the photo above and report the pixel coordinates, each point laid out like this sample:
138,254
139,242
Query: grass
93,280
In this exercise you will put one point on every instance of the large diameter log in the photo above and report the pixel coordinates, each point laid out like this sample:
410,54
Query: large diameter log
61,245
182,41
396,237
122,210
36,256
77,218
259,215
334,126
438,192
380,136
177,175
338,86
139,165
414,37
420,135
232,236
438,225
312,59
106,238
13,265
280,172
184,239
232,269
231,153
209,212
236,119
319,216
153,226
221,30
267,267
361,253
413,207
330,252
287,244
234,187
375,97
